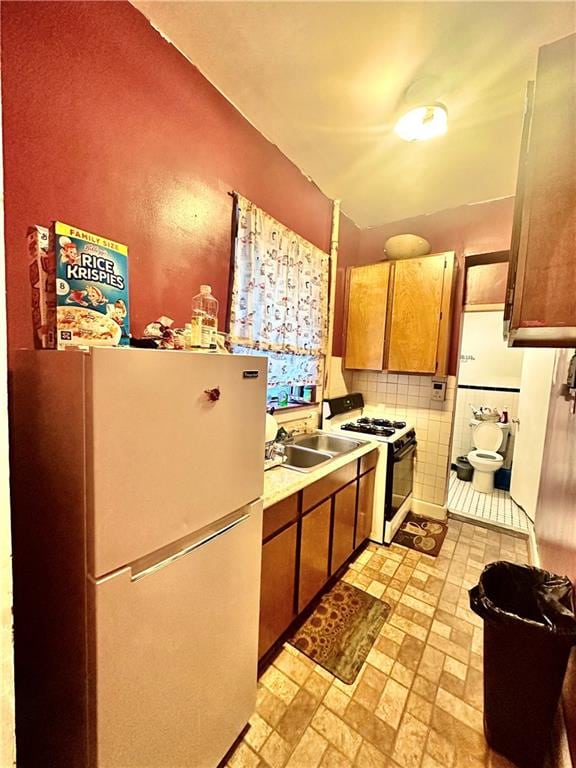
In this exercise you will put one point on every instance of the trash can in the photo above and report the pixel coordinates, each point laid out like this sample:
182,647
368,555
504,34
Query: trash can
464,470
502,479
529,629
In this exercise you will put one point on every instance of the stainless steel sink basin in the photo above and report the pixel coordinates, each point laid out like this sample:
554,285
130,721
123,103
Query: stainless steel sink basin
304,459
328,443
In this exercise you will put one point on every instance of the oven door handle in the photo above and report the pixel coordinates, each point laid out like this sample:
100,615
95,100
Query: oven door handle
406,452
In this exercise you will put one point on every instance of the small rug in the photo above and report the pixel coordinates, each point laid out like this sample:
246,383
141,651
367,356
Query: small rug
422,534
340,632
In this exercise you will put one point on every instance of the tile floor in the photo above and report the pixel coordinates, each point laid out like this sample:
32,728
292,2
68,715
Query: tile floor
497,507
417,703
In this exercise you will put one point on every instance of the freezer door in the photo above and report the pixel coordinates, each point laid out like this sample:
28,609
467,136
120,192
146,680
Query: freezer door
163,459
175,650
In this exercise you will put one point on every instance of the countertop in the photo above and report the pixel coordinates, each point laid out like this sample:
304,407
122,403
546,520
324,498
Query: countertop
279,482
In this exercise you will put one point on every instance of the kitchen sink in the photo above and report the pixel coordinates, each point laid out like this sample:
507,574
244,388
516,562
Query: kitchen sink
331,444
304,459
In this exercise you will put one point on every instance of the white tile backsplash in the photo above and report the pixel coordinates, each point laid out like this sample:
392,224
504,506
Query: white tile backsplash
410,398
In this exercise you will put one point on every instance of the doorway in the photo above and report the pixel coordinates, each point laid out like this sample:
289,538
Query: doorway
488,391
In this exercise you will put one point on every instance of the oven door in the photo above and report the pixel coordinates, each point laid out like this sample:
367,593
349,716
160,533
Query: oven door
401,479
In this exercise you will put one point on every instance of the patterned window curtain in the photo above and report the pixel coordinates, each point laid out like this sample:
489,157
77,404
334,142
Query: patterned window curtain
279,302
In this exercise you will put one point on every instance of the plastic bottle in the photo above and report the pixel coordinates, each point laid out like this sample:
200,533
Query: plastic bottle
504,417
187,336
204,319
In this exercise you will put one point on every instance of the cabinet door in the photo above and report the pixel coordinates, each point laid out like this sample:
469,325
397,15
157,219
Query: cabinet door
366,326
277,587
543,303
365,507
343,532
328,485
314,553
416,314
519,201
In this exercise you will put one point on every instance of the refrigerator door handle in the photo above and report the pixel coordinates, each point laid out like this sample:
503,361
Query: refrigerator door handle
149,564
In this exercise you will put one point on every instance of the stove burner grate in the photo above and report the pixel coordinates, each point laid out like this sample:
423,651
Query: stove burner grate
369,428
374,422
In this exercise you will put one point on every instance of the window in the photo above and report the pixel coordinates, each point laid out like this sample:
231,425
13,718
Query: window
279,302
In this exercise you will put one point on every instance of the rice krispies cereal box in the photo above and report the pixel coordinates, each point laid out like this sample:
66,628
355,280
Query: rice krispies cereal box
91,288
42,274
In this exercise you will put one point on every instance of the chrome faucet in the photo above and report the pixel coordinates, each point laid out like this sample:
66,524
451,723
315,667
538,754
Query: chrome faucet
284,437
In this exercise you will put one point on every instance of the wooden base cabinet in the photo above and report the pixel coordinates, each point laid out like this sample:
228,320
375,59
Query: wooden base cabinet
399,315
365,506
314,553
343,528
277,610
307,538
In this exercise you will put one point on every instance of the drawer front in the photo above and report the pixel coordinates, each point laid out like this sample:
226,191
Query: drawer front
369,461
278,515
324,488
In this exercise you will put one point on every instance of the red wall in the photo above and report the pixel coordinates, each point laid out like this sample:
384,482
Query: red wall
108,127
481,228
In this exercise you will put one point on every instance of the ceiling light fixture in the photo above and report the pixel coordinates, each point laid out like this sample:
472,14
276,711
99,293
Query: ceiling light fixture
423,123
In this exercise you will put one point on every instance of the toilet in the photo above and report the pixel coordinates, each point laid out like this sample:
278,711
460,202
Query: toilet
487,437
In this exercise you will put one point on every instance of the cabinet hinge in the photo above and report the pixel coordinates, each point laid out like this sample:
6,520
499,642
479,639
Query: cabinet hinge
440,315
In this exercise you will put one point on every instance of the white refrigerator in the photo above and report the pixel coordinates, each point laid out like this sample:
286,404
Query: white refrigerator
136,477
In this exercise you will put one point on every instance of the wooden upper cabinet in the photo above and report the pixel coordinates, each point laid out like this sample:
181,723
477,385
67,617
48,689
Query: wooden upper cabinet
367,307
486,285
540,303
420,314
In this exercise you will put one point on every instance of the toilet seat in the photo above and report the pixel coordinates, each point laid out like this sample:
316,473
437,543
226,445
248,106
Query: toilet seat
483,455
487,436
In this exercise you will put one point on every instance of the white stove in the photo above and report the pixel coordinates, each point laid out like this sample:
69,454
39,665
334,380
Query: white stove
376,427
395,468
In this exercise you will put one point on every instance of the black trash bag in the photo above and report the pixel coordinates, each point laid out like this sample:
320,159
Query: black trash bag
510,593
529,630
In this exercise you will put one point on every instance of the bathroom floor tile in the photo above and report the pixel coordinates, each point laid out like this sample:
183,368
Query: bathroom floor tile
496,508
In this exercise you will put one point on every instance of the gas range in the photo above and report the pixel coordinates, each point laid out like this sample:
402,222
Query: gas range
394,469
348,414
375,427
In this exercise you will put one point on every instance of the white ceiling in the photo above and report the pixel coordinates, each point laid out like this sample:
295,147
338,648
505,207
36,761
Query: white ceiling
325,81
